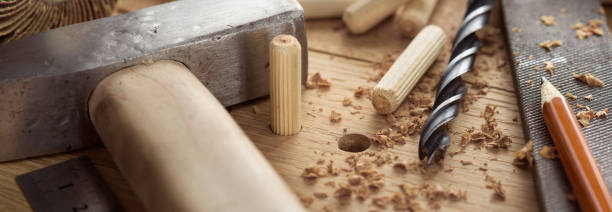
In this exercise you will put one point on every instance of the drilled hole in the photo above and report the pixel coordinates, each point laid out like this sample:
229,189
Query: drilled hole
354,143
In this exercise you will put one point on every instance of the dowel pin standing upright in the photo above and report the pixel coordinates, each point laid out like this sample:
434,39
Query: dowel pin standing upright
285,85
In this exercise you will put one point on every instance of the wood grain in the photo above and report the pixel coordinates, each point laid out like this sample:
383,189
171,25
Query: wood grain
347,61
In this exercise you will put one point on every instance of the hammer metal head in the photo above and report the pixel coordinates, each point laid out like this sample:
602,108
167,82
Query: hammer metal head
46,79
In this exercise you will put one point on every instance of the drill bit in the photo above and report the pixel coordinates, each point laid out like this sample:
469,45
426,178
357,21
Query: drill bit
451,88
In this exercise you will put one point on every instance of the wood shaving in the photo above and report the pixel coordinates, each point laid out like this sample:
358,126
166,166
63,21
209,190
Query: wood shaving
588,79
516,29
548,20
588,97
320,195
343,193
465,163
530,82
317,81
549,152
314,172
601,11
524,158
593,27
549,66
306,201
335,117
489,136
549,44
572,96
363,91
381,202
602,113
584,117
355,180
347,102
496,185
400,166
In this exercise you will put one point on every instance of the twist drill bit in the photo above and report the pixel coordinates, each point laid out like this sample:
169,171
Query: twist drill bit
451,88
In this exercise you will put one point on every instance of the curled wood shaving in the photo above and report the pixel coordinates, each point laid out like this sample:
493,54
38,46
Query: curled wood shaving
549,44
584,117
588,79
549,152
524,158
602,113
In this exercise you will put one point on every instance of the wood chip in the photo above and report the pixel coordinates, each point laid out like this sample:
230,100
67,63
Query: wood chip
572,96
588,79
335,117
549,66
524,158
549,152
584,117
317,81
549,44
320,195
548,20
602,113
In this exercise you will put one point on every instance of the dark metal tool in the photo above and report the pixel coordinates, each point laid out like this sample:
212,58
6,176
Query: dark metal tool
451,89
74,185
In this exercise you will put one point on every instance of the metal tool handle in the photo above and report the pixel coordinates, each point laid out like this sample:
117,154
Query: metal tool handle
451,88
177,146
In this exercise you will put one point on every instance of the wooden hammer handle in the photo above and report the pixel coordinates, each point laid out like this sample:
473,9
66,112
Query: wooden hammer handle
177,146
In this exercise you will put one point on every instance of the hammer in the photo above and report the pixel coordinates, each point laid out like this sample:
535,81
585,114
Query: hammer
151,85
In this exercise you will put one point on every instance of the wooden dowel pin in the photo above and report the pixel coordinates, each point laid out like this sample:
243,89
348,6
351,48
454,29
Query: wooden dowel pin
314,9
406,71
285,85
414,15
362,15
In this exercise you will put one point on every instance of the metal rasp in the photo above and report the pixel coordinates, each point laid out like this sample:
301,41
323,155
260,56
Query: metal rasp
590,55
451,89
46,79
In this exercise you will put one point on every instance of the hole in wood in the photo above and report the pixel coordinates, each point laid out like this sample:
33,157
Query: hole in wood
354,143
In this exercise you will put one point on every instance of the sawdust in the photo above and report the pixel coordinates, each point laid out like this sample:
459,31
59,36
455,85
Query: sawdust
317,81
588,79
363,91
530,82
496,185
548,20
572,96
549,44
489,136
524,158
549,152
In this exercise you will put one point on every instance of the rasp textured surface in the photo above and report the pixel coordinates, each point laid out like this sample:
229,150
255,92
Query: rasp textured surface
579,56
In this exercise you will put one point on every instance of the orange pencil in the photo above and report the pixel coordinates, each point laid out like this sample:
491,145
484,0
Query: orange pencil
583,173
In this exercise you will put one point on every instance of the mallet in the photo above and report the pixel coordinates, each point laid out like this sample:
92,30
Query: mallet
146,82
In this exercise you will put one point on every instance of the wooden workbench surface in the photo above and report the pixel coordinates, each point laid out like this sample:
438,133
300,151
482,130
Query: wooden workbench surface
348,62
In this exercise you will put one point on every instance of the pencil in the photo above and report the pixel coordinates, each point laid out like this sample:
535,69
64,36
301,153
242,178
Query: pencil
582,171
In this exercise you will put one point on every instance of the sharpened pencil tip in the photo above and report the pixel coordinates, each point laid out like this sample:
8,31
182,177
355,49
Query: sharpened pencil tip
544,80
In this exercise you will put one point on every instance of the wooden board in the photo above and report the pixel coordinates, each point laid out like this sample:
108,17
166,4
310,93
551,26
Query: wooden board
348,61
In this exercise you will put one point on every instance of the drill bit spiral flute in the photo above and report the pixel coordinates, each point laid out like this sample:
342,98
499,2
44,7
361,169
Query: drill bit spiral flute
451,88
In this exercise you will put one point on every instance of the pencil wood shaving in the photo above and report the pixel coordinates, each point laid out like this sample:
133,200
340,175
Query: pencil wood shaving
549,152
572,96
588,97
584,117
588,79
549,66
516,29
602,113
548,20
524,158
593,27
549,44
